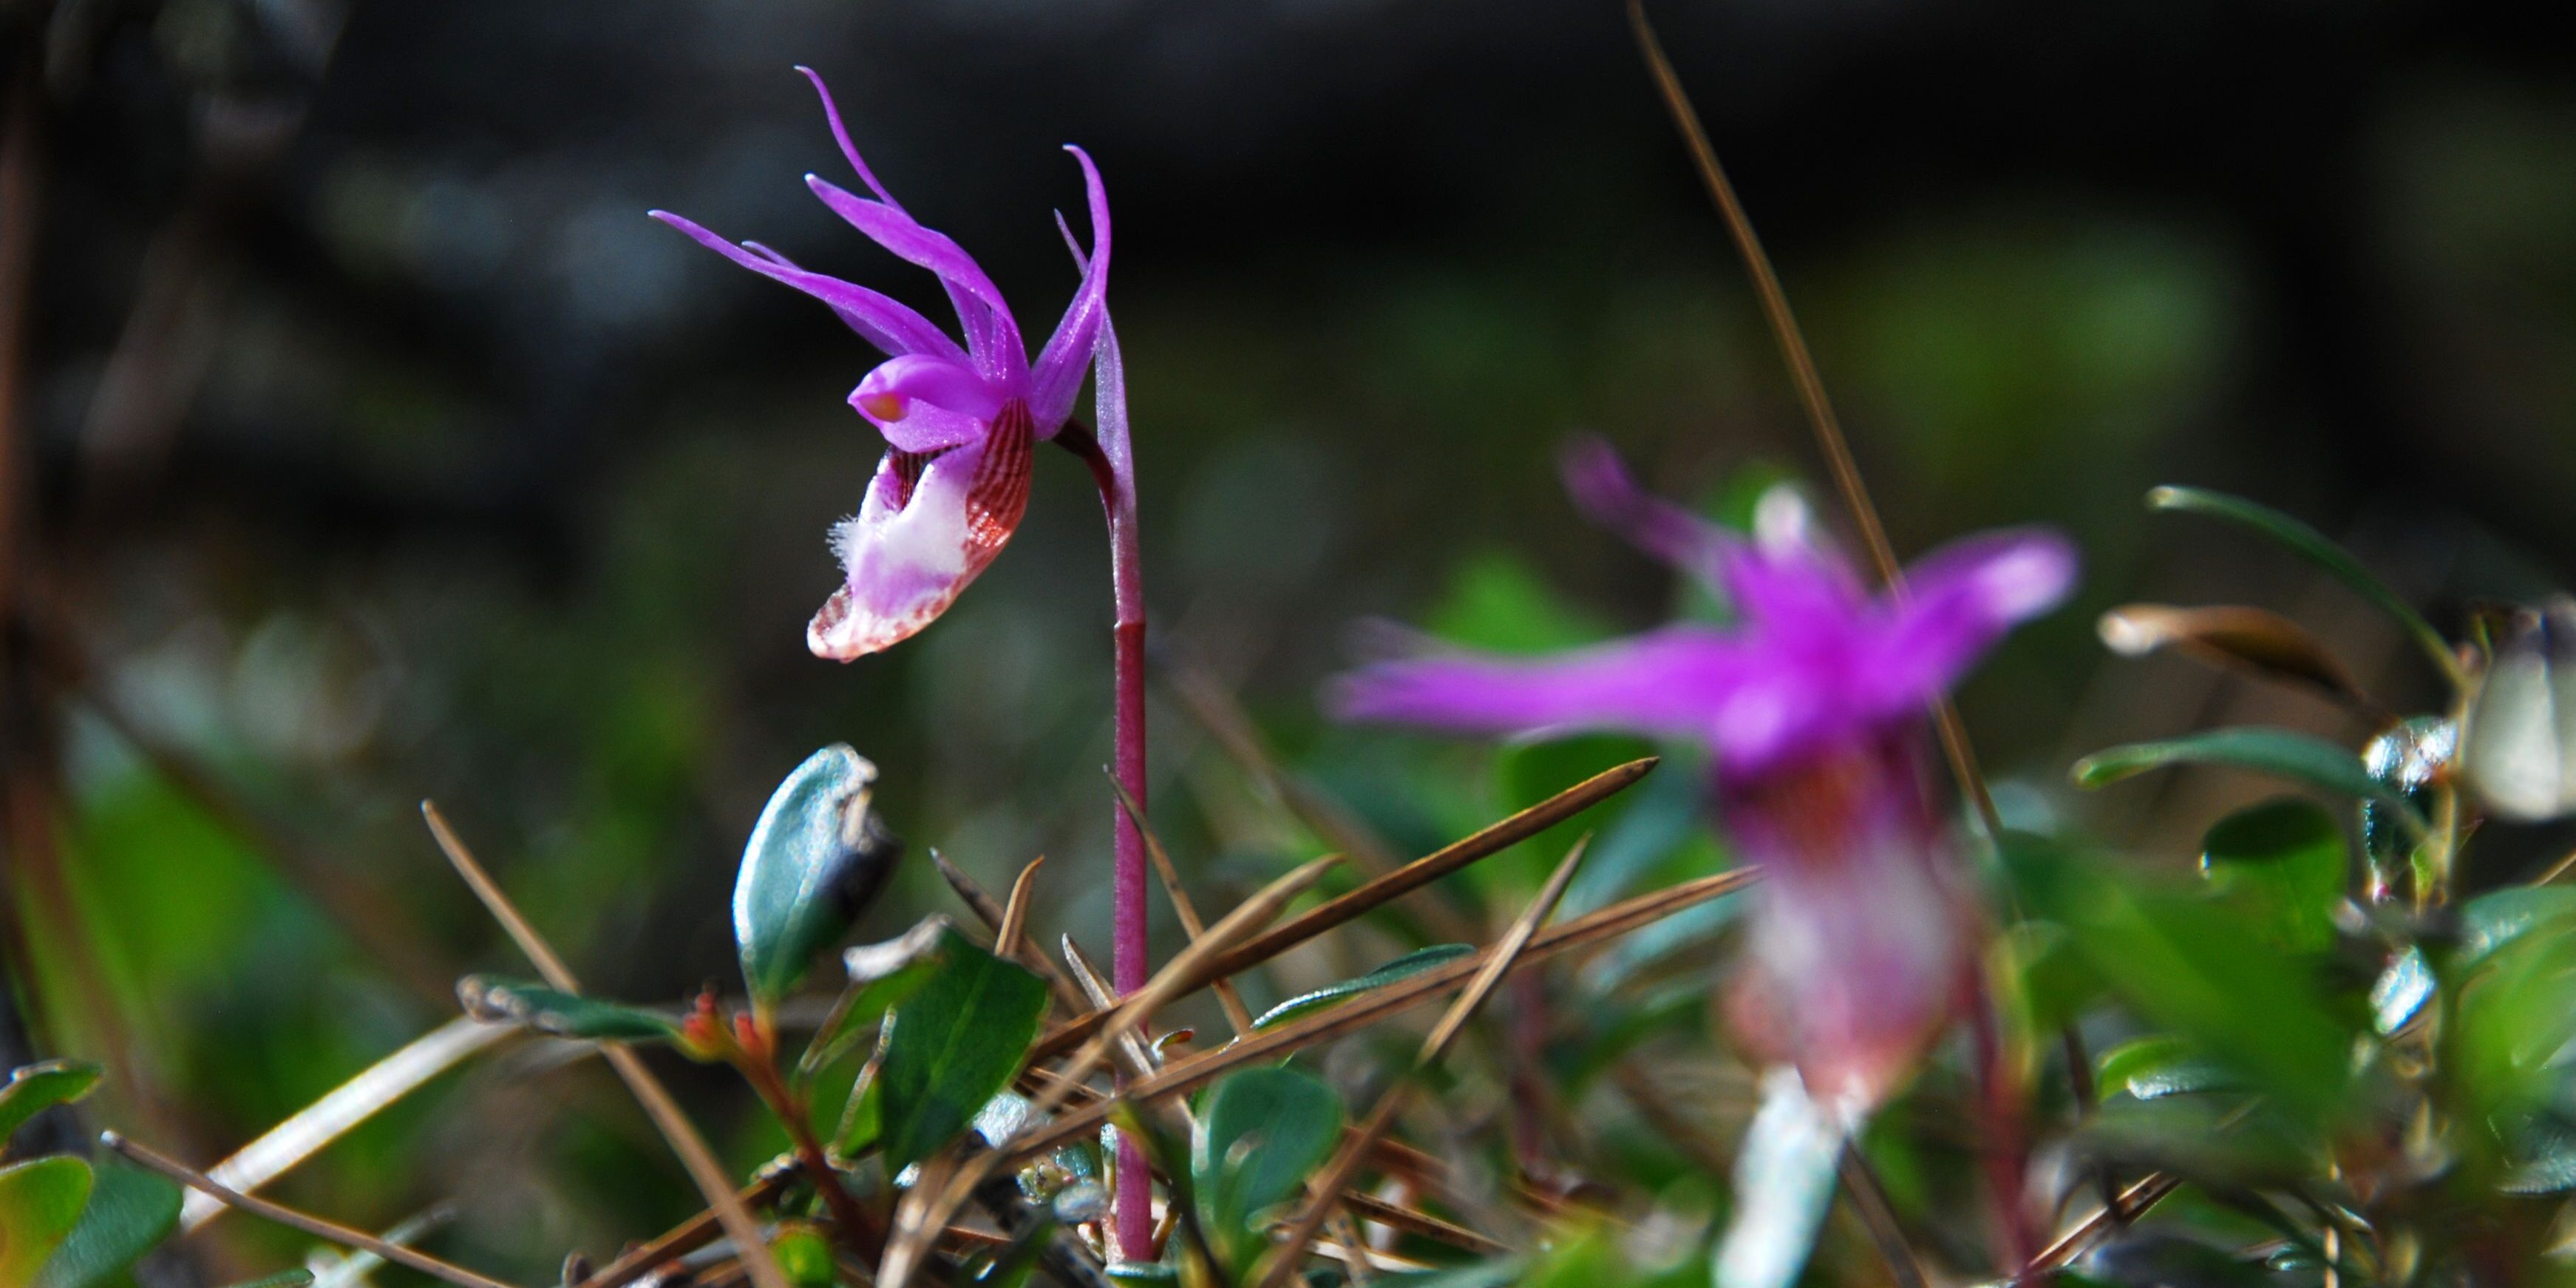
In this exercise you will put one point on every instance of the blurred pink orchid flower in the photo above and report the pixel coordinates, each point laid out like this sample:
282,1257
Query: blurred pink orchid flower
1813,708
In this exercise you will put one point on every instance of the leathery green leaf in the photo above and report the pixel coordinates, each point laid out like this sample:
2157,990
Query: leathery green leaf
817,857
1405,967
40,1202
1259,1134
130,1211
34,1088
498,999
2285,863
951,1045
2277,752
2201,970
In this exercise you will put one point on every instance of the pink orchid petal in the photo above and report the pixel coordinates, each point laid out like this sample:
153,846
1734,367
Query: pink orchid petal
923,404
925,531
1057,374
1607,494
1959,600
879,319
1661,683
991,334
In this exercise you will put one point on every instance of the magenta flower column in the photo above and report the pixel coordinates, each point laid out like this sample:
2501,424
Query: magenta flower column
960,422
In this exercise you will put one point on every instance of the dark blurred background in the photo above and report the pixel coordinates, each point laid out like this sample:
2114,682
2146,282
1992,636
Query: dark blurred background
367,443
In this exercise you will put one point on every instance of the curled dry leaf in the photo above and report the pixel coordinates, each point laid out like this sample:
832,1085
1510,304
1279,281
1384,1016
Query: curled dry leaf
2236,637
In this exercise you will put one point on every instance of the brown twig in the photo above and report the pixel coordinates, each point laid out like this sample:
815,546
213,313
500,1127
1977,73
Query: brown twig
1236,1013
758,1261
1488,841
287,1216
1327,1185
679,1240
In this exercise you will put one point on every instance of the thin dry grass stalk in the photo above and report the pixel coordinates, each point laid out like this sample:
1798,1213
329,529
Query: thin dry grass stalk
675,1126
1328,1185
286,1216
282,1147
1133,1058
680,1240
1830,441
1370,1008
1413,876
1395,1216
990,911
1236,1013
2150,1190
1015,914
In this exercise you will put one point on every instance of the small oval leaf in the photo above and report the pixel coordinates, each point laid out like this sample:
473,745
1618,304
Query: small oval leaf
2499,917
951,1046
1258,1136
499,999
2278,752
2151,1068
298,1278
2284,862
1402,968
130,1211
815,860
40,1202
35,1088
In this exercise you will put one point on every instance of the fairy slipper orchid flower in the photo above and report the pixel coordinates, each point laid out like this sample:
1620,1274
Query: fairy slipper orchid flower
958,419
1812,706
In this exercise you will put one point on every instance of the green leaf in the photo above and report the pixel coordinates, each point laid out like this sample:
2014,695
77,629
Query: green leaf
34,1088
2199,969
881,976
2493,920
2284,862
2277,752
804,1255
1259,1134
2057,982
130,1211
2312,545
499,999
2151,1068
951,1046
298,1278
1402,968
40,1202
815,860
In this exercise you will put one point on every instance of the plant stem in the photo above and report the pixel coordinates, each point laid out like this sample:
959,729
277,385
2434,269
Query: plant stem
1132,1205
859,1234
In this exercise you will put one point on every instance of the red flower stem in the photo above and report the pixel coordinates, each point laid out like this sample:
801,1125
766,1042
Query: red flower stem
1132,1206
